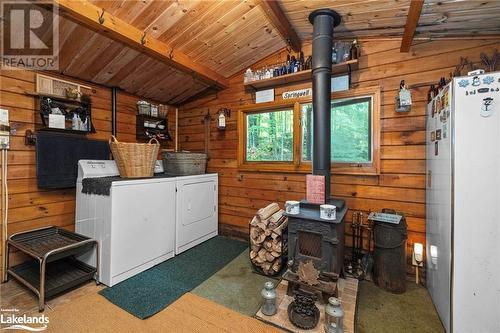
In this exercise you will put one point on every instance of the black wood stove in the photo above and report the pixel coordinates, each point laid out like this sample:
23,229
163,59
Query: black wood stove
315,245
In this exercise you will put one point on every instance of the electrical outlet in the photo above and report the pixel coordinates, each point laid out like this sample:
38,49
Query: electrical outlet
414,262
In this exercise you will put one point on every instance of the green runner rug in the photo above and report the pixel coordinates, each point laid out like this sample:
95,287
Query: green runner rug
149,292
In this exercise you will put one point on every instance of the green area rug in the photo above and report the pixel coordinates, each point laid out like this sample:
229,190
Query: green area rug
235,286
380,311
149,292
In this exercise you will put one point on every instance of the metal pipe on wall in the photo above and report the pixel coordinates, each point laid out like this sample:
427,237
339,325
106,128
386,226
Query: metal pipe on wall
5,212
323,21
113,110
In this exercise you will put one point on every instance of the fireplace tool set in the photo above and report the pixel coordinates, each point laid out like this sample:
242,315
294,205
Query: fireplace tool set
360,264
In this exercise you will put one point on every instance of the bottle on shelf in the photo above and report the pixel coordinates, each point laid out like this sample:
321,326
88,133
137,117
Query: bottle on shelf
74,122
293,64
353,52
301,61
334,55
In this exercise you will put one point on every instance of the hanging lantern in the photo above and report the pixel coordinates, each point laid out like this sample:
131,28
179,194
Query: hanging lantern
221,119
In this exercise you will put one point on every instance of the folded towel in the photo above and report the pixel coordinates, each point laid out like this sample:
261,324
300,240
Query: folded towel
57,156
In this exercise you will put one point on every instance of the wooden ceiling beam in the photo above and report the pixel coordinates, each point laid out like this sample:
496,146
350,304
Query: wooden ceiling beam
280,22
98,19
411,24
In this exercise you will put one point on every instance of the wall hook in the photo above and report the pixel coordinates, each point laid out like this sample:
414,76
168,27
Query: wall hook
143,38
101,17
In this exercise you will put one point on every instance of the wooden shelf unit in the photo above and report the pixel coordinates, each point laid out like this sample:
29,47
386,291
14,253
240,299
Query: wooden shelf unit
141,130
345,67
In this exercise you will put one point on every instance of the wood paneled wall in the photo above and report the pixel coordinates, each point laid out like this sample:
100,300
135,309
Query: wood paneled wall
30,207
401,184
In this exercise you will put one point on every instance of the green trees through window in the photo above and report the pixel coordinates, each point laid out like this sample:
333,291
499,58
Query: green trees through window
351,131
270,136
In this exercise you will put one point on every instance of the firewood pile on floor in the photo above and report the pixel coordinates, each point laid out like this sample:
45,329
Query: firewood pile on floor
268,239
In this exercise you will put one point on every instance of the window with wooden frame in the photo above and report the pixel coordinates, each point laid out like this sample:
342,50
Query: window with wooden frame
278,136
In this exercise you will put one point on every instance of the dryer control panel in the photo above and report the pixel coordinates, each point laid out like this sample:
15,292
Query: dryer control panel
97,168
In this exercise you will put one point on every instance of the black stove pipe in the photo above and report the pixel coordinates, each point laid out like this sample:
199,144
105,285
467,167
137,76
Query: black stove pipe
323,21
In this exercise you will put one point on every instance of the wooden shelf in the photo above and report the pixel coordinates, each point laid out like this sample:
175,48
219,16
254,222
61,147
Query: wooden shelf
305,75
60,98
65,130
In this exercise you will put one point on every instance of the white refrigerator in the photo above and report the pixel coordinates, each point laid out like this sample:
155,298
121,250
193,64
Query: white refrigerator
463,203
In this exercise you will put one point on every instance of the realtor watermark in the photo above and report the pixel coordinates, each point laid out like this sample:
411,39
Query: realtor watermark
11,319
30,35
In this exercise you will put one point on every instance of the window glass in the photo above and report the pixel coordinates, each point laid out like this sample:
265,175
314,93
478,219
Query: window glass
269,136
350,131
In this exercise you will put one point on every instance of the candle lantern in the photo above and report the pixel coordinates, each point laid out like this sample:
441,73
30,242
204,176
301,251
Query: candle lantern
269,297
334,316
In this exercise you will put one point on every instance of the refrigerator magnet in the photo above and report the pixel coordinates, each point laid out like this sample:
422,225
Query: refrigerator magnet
446,98
438,134
433,136
445,131
475,81
487,108
436,148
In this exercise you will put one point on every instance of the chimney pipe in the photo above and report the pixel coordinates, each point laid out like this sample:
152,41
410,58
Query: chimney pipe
323,21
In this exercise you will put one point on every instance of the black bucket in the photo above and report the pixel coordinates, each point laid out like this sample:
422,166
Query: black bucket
389,268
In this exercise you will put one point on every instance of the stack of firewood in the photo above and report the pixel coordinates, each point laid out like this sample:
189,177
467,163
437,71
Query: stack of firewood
266,239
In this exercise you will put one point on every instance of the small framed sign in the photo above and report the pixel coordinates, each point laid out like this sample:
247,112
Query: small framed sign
297,93
263,96
339,83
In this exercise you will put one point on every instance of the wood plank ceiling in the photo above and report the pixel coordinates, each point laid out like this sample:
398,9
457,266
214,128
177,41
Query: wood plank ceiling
384,18
228,36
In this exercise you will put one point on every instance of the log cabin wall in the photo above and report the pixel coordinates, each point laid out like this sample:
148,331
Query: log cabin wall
30,207
401,183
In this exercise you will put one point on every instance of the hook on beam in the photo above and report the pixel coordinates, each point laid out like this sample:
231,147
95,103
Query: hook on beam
101,17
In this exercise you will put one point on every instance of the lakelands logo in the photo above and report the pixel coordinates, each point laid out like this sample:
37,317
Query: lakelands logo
30,35
10,320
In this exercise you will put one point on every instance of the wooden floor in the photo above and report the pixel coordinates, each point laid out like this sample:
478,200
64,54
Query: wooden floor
83,310
15,295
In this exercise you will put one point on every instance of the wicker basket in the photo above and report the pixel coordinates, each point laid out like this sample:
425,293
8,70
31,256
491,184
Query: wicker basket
134,160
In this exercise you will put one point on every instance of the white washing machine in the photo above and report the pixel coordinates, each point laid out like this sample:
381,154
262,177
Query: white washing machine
135,224
197,210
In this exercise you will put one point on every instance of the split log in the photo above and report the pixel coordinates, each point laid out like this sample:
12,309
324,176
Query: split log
277,247
260,239
262,224
262,254
266,212
276,266
254,221
253,254
269,257
279,229
276,217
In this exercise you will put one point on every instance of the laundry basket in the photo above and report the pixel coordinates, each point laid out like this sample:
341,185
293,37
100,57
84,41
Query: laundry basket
135,160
